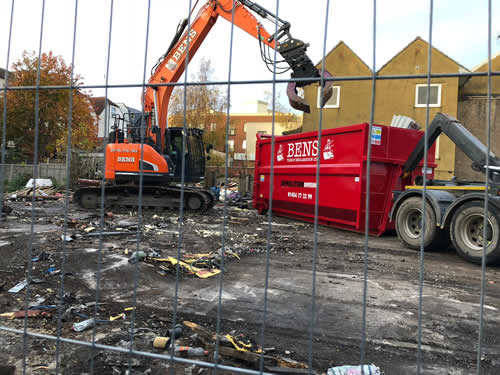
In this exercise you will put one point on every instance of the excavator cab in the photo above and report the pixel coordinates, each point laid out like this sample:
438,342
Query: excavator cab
190,145
117,134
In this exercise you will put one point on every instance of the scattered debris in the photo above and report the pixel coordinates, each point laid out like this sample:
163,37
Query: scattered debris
97,234
28,313
242,346
18,287
200,256
41,193
354,370
40,182
42,256
290,363
288,370
119,316
236,199
187,351
137,256
243,349
202,273
161,342
249,357
83,325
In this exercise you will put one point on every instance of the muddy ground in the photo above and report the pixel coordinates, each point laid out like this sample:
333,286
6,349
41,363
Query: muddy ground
450,295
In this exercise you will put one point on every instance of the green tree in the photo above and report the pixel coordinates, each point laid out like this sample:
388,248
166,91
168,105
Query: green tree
53,107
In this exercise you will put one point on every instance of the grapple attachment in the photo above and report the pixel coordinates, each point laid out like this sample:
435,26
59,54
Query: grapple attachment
299,103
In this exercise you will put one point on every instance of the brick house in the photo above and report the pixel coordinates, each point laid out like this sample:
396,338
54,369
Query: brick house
243,130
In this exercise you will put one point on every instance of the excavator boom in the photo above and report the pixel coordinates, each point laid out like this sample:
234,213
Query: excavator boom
173,64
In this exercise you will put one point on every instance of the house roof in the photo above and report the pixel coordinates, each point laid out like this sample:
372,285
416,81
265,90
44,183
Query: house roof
132,110
485,62
98,104
418,38
342,43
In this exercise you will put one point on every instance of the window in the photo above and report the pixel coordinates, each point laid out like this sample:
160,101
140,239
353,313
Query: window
262,132
421,95
231,145
334,101
213,126
244,144
232,131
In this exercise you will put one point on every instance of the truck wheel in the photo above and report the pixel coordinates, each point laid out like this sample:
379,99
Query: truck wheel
409,226
467,232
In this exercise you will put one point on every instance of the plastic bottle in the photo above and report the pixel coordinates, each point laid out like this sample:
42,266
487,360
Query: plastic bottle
186,351
83,325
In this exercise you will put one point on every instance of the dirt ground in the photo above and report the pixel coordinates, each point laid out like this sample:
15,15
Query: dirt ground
450,320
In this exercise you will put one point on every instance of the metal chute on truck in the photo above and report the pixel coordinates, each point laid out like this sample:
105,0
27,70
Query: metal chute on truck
454,210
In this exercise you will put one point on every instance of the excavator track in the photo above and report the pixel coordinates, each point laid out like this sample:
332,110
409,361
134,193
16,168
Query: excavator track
124,197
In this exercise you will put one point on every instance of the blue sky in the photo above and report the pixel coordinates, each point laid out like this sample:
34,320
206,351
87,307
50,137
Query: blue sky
460,31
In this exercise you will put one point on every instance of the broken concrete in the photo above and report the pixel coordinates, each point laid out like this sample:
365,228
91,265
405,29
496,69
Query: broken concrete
450,298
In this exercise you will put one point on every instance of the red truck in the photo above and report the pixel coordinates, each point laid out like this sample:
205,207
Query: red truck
454,210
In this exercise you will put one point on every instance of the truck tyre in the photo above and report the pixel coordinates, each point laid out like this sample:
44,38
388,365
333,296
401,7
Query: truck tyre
467,231
409,226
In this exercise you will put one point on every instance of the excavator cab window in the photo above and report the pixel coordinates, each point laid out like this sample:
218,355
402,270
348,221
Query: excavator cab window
116,135
197,154
176,146
191,144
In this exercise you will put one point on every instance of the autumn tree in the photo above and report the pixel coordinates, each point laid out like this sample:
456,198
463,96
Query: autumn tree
205,107
53,108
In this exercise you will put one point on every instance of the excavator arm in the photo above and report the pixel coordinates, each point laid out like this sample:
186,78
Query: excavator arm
465,141
172,64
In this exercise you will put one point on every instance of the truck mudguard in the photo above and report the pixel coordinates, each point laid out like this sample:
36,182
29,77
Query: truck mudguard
439,200
464,199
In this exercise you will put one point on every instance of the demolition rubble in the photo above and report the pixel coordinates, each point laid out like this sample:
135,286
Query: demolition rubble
153,283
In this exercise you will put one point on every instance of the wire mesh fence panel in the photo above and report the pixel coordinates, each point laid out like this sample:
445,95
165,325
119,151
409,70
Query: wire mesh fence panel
179,214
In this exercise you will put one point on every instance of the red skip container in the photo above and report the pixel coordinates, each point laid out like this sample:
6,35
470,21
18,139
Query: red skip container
343,161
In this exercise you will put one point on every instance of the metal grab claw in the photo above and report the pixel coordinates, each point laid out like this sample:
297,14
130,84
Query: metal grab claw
299,103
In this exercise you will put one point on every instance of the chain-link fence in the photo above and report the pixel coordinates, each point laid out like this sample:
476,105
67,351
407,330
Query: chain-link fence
122,287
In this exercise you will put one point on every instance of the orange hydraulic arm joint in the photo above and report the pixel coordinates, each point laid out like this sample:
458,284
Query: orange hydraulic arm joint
172,64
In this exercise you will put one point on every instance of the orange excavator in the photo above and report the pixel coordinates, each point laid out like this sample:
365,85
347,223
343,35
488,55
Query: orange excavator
157,153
